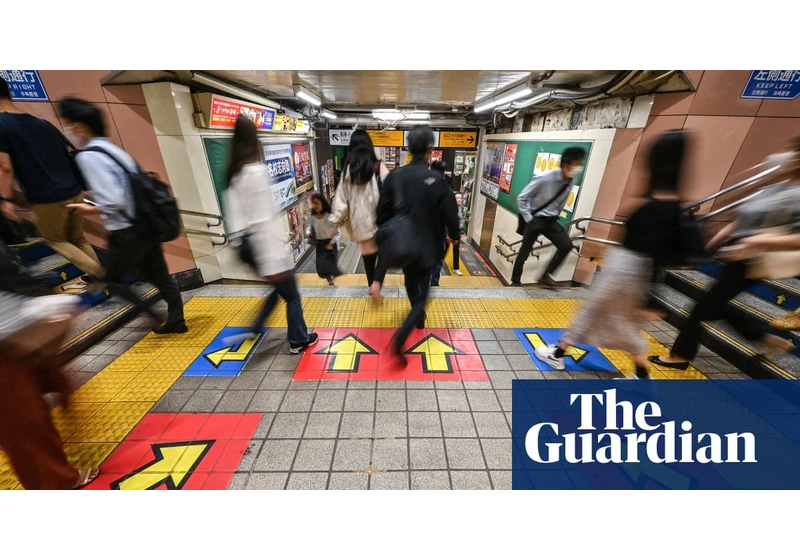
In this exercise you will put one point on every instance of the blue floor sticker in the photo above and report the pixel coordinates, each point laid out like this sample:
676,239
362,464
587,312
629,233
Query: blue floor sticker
578,358
223,357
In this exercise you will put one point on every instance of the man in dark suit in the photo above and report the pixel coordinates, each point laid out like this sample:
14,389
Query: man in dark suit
432,208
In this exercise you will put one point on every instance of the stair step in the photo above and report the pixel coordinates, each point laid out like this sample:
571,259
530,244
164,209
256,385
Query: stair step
694,284
32,251
97,322
722,339
783,293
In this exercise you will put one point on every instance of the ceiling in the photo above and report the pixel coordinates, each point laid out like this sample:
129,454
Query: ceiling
448,94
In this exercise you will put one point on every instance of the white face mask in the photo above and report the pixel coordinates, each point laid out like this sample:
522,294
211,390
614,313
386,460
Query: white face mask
574,171
782,159
69,132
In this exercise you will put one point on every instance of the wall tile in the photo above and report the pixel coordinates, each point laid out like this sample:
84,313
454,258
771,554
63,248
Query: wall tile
84,84
719,94
129,95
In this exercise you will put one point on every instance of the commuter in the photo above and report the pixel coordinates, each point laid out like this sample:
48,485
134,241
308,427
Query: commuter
436,273
37,154
356,201
106,168
431,208
612,316
32,331
325,237
776,206
789,322
540,204
252,219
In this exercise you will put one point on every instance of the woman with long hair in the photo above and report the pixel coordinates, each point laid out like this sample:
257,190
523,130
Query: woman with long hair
356,203
613,315
252,219
739,243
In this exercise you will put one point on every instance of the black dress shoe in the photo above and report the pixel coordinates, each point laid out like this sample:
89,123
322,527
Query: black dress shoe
172,328
674,365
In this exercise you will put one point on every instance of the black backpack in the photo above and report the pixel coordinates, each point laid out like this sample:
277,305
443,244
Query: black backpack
157,215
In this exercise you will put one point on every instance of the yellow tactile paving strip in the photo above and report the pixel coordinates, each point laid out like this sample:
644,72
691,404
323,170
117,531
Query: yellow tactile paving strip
396,280
108,406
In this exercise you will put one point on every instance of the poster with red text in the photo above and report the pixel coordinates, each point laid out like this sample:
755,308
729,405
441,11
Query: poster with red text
508,167
302,167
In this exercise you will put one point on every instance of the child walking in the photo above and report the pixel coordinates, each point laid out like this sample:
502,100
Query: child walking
326,237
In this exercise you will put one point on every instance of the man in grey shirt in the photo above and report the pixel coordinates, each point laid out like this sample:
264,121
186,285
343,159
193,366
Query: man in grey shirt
540,204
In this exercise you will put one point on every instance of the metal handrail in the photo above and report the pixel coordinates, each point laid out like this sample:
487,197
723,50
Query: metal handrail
203,215
747,182
730,206
568,225
223,236
534,251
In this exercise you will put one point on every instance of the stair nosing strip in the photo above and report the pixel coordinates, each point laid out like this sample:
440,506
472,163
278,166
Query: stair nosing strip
719,334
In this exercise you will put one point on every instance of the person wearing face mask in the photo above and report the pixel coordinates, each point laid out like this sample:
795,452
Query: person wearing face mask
36,154
739,244
106,168
540,204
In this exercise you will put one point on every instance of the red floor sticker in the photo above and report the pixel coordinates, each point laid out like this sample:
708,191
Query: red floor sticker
362,355
179,452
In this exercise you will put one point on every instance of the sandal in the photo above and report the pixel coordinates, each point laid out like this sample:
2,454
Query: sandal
85,477
674,365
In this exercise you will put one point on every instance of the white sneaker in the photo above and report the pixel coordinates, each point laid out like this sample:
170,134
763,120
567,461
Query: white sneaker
458,272
546,354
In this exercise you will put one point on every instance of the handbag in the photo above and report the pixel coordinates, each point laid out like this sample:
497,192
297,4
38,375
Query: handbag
246,251
397,239
775,265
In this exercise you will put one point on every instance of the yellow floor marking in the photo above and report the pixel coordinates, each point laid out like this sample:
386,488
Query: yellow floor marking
109,405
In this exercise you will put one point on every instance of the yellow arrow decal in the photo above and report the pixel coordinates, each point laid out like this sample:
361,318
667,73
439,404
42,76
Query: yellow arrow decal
435,354
346,354
781,299
228,354
63,275
173,464
577,354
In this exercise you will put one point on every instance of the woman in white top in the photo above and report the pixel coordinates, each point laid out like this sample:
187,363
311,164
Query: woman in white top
251,218
356,202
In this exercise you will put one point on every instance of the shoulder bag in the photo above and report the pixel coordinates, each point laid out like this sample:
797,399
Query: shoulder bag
396,239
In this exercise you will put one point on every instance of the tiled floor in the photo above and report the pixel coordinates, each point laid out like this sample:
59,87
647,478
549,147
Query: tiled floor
282,421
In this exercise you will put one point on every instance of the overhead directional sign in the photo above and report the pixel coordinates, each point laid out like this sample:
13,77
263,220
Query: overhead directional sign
339,137
227,354
172,465
363,355
583,358
436,354
185,451
773,84
457,139
386,138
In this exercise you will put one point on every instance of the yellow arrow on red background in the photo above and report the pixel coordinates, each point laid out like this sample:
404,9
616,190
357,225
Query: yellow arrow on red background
346,354
172,465
436,354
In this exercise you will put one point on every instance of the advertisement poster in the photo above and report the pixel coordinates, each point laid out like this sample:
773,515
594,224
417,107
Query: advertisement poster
508,167
546,162
302,168
458,163
225,111
297,217
437,155
280,167
492,169
569,209
331,180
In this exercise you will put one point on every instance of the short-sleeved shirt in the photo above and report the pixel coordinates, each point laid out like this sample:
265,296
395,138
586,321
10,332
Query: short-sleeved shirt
39,156
772,207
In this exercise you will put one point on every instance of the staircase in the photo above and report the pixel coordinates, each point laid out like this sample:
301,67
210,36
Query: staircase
763,302
104,314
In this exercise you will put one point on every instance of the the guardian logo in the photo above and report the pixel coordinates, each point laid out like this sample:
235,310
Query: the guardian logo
650,439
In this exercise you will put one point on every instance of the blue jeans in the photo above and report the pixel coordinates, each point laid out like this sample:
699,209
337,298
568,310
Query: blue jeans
287,289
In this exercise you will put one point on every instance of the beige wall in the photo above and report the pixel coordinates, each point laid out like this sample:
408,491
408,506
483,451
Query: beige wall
129,126
731,136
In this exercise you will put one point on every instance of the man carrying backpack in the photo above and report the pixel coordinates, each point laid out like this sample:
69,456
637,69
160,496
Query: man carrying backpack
134,230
